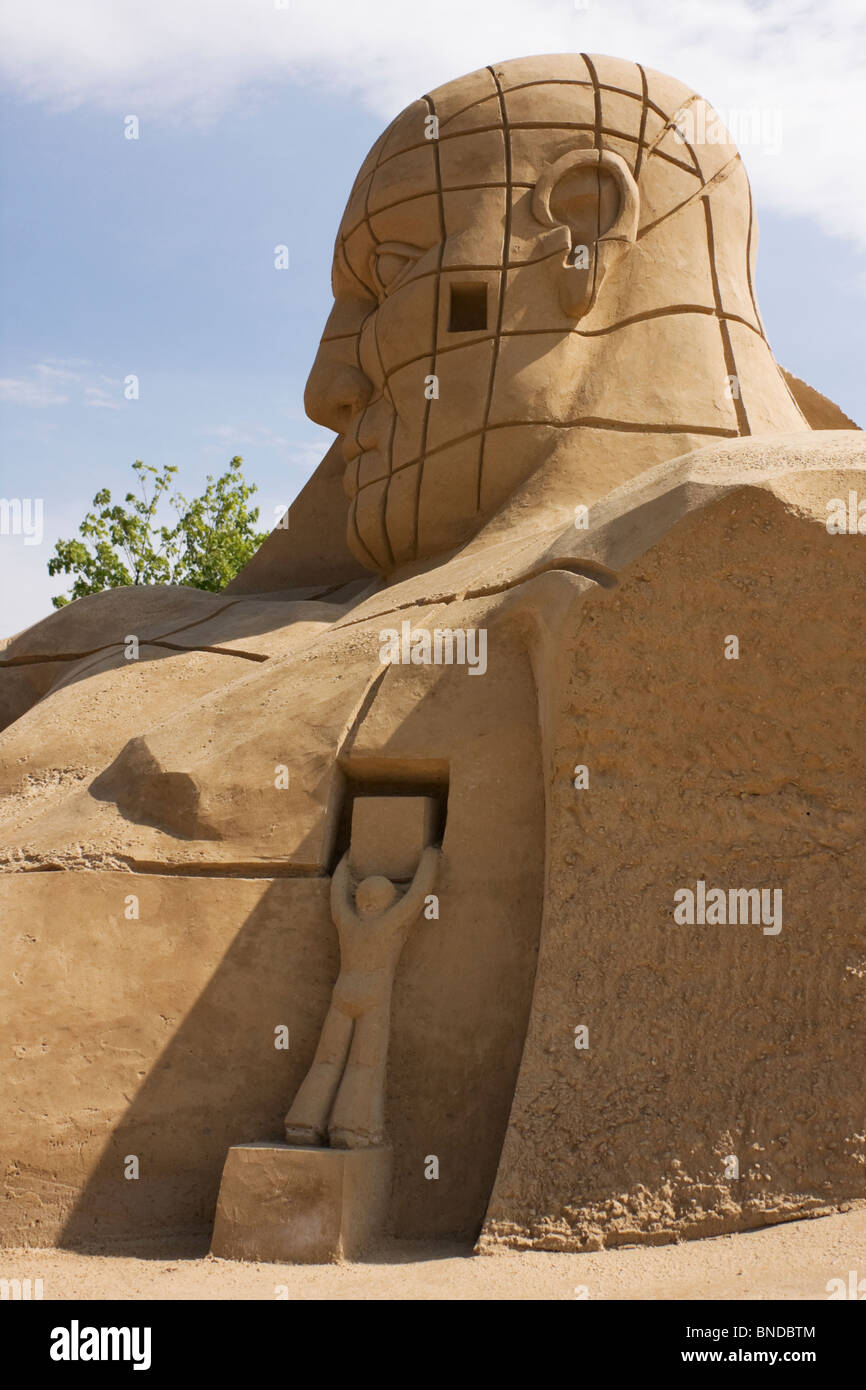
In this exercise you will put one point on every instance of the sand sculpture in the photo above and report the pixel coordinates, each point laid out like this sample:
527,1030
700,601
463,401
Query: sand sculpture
566,578
342,1097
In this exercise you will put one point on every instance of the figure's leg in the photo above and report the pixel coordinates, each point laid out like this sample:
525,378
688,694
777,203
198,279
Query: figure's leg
358,1117
307,1120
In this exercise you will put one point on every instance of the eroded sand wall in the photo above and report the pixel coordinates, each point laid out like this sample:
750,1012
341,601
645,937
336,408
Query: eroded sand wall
715,1040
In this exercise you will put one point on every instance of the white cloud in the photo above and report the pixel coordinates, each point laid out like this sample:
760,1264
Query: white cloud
304,453
46,385
102,399
235,436
58,381
33,392
50,371
805,58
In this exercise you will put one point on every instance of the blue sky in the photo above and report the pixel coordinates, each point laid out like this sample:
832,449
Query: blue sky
156,256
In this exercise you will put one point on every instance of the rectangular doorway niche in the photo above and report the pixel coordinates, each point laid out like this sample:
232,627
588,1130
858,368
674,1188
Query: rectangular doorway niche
396,778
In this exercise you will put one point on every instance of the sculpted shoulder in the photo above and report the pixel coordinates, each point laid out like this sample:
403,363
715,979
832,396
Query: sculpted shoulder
117,626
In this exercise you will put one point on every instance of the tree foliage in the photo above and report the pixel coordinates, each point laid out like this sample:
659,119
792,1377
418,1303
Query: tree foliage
122,543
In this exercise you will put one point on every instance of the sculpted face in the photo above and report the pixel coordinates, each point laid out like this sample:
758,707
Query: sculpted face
519,261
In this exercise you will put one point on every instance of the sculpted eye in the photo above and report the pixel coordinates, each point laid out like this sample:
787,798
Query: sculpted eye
391,261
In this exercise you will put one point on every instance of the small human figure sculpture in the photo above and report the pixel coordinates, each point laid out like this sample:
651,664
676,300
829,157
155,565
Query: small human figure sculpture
342,1098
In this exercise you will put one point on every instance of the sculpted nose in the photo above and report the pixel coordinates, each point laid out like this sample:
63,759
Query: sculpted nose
335,392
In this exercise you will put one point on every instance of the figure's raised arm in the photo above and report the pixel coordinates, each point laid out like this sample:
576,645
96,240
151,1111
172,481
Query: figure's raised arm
406,909
342,899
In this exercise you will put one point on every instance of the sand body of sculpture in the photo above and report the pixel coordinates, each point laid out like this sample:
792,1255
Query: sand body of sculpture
560,424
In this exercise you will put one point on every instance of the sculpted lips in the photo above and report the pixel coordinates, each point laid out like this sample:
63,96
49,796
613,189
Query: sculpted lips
351,444
362,446
353,450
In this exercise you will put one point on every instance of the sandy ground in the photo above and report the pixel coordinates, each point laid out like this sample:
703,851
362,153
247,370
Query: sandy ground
792,1261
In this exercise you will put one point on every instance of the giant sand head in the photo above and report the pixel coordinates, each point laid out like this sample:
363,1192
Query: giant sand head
540,275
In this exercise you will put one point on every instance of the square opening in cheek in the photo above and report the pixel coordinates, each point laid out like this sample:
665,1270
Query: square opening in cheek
468,308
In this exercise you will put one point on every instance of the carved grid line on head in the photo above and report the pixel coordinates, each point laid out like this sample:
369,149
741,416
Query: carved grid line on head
727,345
749,234
597,144
667,311
392,431
588,422
663,311
703,190
644,113
383,524
670,123
434,353
563,82
728,354
353,509
503,283
365,220
357,336
749,260
580,422
535,125
596,97
647,105
386,376
612,131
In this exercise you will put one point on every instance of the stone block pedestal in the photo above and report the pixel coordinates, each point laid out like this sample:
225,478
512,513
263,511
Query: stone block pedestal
281,1204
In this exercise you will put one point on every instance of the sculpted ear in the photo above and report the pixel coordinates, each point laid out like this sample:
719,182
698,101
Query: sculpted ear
593,194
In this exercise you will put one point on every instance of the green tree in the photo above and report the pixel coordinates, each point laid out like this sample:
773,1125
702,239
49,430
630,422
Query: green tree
213,536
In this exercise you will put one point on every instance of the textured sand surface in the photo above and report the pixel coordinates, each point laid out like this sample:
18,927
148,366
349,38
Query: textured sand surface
792,1261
